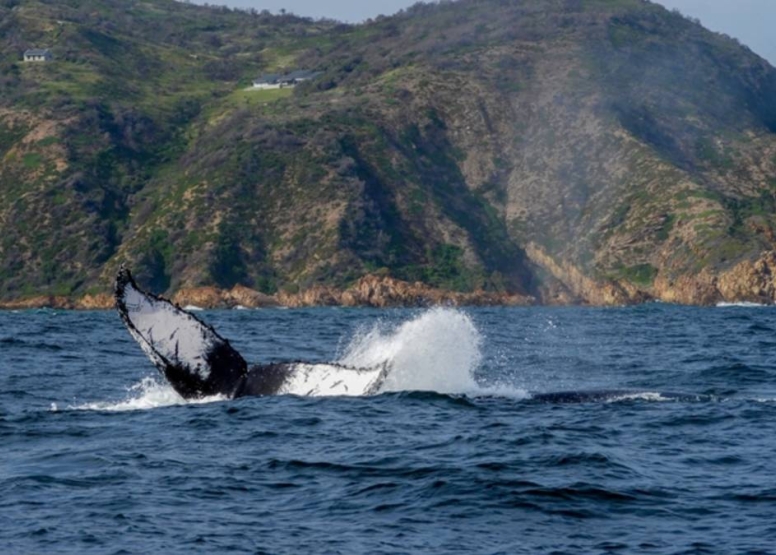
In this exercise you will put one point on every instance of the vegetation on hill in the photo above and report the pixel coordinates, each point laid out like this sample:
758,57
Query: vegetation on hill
575,150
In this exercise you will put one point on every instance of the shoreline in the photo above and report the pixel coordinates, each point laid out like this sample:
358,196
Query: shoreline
368,292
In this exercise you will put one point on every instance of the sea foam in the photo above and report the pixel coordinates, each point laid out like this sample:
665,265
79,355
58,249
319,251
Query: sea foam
146,394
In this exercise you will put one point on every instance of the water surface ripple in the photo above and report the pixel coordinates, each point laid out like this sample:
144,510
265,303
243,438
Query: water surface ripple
99,456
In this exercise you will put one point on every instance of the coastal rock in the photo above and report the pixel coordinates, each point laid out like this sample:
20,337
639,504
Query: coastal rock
745,282
203,297
240,295
750,281
318,295
698,289
381,292
40,301
100,301
582,289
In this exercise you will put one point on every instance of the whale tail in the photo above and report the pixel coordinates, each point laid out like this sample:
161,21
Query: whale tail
189,353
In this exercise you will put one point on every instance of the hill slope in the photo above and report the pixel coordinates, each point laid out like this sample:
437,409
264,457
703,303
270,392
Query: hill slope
575,150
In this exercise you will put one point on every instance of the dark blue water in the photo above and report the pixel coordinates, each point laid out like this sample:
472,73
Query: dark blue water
98,458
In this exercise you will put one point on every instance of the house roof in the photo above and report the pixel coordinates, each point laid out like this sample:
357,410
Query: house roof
37,52
268,78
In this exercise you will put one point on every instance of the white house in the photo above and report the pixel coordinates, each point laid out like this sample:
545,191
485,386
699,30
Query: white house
38,55
269,81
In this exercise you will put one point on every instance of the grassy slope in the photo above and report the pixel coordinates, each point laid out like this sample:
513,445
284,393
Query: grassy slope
83,136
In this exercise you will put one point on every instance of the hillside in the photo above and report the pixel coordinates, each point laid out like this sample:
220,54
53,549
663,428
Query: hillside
600,151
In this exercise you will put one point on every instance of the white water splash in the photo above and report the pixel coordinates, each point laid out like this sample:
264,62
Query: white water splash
148,394
436,351
744,304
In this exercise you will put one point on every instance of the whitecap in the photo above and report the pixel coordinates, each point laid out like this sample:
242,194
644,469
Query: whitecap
654,396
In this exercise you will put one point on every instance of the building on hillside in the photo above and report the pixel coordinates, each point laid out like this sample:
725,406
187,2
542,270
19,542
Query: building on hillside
268,81
295,77
38,55
289,80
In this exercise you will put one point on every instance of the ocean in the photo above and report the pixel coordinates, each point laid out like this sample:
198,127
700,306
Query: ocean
100,456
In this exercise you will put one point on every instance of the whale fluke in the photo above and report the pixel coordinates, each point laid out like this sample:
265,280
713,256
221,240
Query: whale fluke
198,362
192,356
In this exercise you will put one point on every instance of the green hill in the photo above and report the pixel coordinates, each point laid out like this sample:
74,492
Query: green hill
576,150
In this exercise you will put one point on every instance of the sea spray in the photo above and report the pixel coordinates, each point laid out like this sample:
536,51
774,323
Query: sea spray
435,351
146,394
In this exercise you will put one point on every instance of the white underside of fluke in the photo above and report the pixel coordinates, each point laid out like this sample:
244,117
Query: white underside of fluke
333,380
164,330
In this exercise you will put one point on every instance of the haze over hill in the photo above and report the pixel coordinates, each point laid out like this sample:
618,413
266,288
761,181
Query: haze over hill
571,150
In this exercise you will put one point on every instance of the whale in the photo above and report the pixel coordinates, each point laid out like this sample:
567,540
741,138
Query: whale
198,362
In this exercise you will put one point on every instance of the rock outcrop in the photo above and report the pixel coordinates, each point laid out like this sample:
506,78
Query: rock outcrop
747,281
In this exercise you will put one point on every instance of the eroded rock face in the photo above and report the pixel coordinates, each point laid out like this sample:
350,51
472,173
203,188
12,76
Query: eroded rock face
240,295
95,302
699,289
747,281
211,297
318,295
382,292
750,281
40,301
372,291
204,297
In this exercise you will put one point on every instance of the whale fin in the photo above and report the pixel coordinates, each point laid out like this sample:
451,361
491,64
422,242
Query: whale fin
192,356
